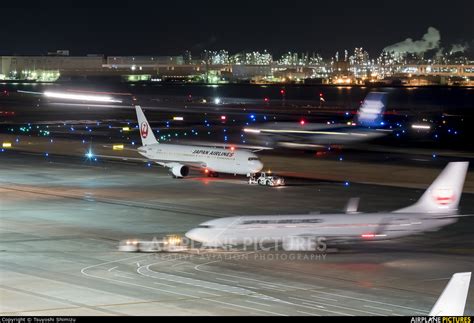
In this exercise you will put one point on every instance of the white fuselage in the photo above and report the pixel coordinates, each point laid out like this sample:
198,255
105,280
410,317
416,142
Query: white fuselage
333,227
240,162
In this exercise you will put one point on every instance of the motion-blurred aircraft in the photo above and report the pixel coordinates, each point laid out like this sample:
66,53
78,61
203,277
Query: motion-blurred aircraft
436,208
313,136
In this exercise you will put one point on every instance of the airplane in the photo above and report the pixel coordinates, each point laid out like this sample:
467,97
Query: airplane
436,208
180,158
453,299
305,135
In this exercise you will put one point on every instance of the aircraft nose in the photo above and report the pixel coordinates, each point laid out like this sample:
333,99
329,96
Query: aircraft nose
194,234
258,167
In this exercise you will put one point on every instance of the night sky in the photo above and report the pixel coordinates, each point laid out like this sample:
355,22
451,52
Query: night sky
170,27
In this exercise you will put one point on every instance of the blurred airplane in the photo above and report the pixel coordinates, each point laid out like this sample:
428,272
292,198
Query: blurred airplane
436,208
313,136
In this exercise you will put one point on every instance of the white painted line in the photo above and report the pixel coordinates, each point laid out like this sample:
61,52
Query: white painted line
162,284
245,307
328,299
258,303
227,280
197,268
123,276
207,293
371,301
112,268
332,305
379,308
312,314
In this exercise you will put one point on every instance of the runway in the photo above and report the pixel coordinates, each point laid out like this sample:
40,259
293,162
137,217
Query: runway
62,218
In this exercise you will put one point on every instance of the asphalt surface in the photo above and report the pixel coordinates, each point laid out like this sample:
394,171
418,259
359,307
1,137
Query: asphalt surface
63,217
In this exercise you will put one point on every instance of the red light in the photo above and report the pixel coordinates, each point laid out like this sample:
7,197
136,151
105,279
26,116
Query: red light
368,235
282,92
232,148
321,94
302,122
266,99
206,171
223,118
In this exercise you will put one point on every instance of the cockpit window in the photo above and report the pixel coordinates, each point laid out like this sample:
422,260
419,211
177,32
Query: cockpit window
205,226
253,158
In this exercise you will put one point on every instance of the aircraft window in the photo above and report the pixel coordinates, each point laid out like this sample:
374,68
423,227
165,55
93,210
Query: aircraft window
253,158
205,226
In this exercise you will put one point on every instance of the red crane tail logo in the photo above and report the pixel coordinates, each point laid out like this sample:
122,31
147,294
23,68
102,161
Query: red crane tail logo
144,130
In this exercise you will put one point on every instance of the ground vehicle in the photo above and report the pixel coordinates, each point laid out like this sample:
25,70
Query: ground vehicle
170,243
267,180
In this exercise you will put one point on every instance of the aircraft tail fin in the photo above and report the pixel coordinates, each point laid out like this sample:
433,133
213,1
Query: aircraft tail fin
370,113
443,195
453,299
146,133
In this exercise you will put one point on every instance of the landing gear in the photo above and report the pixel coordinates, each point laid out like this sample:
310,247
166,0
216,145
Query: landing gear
212,174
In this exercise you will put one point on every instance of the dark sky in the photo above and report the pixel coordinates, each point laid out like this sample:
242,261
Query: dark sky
169,27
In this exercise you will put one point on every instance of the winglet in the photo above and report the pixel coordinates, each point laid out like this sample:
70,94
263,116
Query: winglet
453,299
146,133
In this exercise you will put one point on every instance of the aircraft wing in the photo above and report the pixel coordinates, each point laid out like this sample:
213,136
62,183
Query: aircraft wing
453,299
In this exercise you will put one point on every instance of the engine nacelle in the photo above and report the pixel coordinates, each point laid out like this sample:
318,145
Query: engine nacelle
179,170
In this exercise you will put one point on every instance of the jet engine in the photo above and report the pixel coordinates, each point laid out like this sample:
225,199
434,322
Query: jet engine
179,170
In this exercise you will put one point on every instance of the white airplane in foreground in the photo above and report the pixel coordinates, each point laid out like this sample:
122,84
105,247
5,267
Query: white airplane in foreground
436,208
179,158
453,299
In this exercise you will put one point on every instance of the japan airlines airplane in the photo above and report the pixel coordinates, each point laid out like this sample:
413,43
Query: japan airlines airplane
436,208
179,158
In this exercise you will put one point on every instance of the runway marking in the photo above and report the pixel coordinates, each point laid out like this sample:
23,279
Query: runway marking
268,286
371,301
246,307
112,268
164,284
124,276
324,310
184,272
197,268
227,280
83,271
207,293
332,305
317,306
379,308
307,313
258,303
329,299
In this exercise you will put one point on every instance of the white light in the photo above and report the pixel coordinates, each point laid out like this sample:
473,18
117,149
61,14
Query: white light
80,97
420,126
217,100
178,118
251,130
